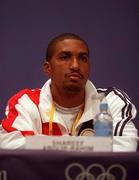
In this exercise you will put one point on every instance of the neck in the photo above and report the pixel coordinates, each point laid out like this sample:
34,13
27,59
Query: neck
67,99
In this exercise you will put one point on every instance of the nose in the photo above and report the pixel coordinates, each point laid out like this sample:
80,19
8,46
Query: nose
74,65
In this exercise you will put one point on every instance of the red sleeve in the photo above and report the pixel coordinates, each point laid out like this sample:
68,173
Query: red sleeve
12,113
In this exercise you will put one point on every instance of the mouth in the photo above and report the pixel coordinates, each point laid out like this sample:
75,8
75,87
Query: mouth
75,76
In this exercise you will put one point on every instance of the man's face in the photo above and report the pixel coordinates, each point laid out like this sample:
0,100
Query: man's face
69,65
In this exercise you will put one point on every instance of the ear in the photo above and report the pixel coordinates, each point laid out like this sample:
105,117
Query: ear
47,68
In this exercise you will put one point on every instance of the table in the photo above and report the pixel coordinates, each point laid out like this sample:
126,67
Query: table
64,165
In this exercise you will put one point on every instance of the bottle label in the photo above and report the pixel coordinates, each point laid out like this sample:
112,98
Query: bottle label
103,128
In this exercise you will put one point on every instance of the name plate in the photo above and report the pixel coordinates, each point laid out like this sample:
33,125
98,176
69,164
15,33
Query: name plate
70,143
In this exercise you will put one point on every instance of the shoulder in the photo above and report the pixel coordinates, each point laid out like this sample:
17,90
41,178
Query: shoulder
113,91
32,94
113,94
118,101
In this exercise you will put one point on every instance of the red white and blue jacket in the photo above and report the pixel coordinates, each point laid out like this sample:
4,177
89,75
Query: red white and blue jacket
27,113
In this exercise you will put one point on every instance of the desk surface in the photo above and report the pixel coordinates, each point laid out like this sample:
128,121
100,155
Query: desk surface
63,165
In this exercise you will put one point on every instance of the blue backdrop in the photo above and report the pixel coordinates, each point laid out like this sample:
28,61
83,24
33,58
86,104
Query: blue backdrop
109,26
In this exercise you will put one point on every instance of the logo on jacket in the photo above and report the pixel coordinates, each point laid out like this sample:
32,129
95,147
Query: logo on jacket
87,132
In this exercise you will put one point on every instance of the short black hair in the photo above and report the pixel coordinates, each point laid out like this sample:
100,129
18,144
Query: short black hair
52,43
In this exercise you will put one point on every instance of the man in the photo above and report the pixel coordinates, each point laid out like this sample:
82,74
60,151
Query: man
68,102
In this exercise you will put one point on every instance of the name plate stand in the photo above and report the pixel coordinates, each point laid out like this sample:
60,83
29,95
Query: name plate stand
70,143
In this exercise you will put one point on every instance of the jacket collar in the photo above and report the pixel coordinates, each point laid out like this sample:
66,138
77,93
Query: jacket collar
91,103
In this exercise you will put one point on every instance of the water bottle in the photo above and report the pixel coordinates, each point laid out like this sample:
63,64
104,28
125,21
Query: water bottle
103,124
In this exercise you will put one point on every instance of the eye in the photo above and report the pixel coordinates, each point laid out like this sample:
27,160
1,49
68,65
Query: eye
64,57
83,58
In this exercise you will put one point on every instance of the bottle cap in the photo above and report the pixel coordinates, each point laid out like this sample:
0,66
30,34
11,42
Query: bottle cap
103,106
